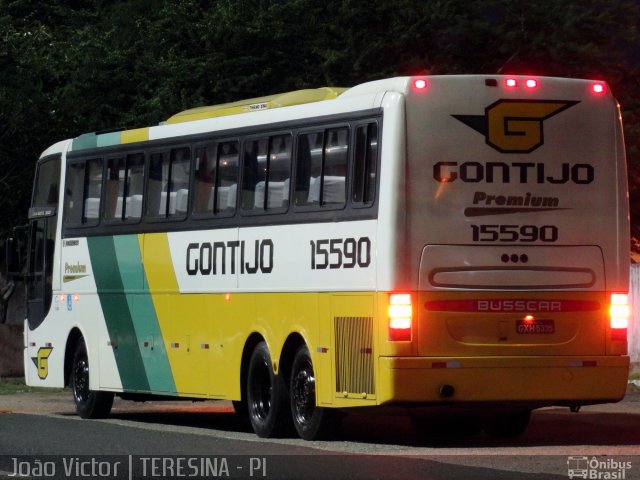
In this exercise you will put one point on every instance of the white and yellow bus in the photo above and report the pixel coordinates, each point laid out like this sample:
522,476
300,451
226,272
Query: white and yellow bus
454,242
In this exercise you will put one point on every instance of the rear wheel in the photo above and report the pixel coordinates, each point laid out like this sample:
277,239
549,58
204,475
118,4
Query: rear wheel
310,421
89,403
267,401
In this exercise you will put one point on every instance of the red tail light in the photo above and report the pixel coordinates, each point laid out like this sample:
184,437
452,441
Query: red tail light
400,317
619,313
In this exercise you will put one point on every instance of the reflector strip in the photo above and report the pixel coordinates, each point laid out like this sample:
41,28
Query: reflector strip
583,363
452,364
516,305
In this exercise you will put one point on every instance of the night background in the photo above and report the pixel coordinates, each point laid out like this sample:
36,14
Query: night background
71,67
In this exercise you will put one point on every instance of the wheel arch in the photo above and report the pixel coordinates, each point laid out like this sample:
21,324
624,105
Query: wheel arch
75,337
254,339
288,352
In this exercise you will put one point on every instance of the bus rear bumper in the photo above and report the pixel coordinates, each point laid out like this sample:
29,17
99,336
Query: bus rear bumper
538,381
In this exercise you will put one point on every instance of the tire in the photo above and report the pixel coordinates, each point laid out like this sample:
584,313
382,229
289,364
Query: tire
267,399
89,403
508,424
310,421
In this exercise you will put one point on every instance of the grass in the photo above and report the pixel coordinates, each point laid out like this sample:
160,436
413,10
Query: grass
9,385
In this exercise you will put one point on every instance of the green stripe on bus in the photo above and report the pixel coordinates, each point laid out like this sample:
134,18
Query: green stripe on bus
117,314
145,321
109,139
85,141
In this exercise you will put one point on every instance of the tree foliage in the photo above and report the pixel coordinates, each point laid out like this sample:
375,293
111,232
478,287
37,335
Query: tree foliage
69,67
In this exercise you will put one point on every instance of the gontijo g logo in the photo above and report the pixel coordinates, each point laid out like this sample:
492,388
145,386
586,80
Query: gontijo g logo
515,126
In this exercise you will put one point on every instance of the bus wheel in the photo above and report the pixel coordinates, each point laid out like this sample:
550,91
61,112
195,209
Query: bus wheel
310,421
267,403
508,424
89,403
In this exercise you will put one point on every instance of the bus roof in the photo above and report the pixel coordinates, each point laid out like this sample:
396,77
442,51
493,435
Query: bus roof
297,97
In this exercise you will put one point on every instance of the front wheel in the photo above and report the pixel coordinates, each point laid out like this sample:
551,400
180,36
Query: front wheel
267,402
310,421
89,403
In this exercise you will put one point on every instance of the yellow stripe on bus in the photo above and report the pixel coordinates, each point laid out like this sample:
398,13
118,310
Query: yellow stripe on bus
135,135
177,317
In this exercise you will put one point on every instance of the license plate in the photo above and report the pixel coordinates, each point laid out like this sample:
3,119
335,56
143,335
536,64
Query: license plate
535,326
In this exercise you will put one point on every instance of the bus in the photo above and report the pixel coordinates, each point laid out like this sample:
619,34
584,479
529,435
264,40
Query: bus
449,244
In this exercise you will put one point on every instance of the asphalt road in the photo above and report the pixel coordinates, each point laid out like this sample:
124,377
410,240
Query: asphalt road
207,440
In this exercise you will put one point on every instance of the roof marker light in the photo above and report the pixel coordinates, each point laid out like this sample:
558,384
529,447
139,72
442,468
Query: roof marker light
420,83
511,82
531,83
598,88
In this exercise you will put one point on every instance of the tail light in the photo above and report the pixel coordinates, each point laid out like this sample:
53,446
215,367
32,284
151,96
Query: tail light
619,313
400,317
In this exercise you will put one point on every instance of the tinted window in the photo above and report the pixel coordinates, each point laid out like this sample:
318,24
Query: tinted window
322,168
266,173
82,192
216,178
124,187
168,189
365,164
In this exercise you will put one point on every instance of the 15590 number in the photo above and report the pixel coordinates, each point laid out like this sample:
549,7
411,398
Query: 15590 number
514,233
340,253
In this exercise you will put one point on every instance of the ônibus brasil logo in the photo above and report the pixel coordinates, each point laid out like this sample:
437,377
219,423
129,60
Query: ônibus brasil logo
515,126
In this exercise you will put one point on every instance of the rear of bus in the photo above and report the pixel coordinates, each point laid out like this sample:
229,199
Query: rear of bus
515,247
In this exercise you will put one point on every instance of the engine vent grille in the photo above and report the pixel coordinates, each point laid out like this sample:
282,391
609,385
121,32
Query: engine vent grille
354,355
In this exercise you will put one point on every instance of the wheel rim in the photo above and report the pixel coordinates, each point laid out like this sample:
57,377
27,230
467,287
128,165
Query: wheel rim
304,393
261,391
81,380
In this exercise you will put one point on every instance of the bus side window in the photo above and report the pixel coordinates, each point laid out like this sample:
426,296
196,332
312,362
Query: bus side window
267,172
179,182
365,164
279,173
74,191
336,154
134,186
227,179
124,186
322,160
92,191
205,179
114,188
168,189
254,172
158,185
216,179
308,168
